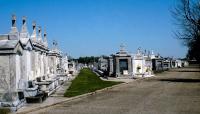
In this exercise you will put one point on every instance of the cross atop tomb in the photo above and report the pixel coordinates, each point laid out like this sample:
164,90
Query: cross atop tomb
122,47
139,51
55,44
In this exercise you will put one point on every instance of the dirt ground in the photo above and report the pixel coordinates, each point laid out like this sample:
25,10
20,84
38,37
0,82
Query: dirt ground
173,92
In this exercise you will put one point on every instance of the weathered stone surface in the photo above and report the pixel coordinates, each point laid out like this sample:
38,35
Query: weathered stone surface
24,57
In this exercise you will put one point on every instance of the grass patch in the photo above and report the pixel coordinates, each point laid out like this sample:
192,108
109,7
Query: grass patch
4,111
86,82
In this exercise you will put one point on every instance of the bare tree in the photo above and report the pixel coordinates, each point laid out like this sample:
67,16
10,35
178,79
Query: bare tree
187,16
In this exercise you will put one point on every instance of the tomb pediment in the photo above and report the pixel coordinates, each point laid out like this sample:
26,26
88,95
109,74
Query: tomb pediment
18,49
38,46
27,44
10,46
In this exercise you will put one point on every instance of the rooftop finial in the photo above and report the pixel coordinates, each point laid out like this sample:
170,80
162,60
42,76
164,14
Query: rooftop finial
55,45
122,47
24,31
13,20
24,20
45,38
34,24
14,30
39,34
39,29
34,34
139,50
152,52
149,53
14,17
45,33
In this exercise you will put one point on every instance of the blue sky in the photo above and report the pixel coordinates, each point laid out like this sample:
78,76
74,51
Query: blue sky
97,27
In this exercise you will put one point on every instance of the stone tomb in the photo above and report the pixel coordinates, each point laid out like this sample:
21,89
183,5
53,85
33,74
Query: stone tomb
10,72
142,64
102,64
157,64
121,61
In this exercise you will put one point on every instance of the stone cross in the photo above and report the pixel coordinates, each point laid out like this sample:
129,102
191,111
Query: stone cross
122,47
55,44
139,50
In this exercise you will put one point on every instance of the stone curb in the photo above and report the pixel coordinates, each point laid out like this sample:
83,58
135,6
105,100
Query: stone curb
73,98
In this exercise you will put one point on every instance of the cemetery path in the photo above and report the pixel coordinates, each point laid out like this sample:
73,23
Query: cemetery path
172,92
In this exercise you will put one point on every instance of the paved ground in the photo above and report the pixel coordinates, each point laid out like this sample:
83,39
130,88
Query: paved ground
173,92
51,100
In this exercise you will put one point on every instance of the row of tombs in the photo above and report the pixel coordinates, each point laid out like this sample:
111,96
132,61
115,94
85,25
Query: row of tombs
141,64
29,70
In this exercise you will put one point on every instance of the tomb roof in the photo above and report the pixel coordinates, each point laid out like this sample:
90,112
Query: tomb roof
8,44
24,41
11,47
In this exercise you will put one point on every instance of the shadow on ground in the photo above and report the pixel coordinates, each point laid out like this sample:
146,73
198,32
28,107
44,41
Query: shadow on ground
184,71
181,80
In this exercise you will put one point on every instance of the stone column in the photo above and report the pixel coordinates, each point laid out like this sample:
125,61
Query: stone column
42,64
129,66
37,66
14,71
110,66
33,69
18,71
117,67
23,69
55,65
29,64
45,64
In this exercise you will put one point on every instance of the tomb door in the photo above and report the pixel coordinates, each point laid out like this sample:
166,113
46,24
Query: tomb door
123,65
